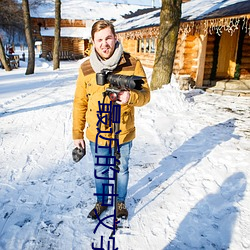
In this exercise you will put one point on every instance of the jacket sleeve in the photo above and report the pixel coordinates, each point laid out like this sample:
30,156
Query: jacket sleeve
141,97
80,105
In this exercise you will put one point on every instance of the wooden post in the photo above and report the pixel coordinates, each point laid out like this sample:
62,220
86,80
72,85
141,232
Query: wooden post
201,60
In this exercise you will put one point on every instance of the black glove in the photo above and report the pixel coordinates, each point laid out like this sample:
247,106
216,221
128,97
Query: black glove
78,153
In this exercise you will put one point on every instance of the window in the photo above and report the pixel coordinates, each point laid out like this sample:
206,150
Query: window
146,45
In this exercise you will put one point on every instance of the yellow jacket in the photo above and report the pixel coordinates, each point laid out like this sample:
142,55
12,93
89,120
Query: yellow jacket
86,106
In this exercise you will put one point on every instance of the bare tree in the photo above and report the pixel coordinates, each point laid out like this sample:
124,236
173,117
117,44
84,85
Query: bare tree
28,33
56,59
11,16
168,34
3,57
11,24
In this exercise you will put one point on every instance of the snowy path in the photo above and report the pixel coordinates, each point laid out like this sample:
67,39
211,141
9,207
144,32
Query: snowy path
189,170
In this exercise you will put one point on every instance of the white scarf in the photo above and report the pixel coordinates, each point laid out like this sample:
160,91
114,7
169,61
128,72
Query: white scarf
98,64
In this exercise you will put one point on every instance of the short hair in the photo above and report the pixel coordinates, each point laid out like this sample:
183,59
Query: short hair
101,24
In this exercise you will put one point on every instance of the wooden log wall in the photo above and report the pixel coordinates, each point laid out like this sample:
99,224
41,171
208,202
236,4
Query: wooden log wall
209,57
47,45
190,56
146,59
131,46
73,45
186,55
50,22
79,46
178,61
66,44
185,59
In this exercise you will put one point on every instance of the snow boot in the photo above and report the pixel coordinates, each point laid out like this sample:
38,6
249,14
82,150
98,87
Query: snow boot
122,211
99,210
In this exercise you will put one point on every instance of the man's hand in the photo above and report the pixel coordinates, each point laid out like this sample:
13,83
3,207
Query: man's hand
123,97
79,143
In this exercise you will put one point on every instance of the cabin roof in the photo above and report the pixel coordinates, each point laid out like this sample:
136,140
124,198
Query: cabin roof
84,10
140,21
193,10
208,9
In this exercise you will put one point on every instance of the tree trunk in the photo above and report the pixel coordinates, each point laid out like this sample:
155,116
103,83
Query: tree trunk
168,34
28,33
3,57
56,59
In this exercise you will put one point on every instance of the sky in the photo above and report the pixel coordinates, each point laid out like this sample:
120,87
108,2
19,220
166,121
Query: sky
189,168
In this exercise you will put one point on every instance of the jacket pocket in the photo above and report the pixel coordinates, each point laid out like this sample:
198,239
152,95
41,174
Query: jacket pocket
127,120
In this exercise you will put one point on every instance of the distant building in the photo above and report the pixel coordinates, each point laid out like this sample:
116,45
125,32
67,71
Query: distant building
75,36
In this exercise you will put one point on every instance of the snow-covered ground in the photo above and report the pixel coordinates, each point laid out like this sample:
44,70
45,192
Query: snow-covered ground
189,169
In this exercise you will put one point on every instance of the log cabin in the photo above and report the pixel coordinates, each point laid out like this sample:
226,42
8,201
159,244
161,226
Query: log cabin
213,41
74,37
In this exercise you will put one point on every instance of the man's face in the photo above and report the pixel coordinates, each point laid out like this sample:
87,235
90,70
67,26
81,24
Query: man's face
104,42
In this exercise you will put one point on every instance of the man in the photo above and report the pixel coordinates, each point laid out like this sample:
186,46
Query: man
107,54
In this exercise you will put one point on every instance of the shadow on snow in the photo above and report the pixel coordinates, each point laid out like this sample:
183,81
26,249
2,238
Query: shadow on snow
22,110
210,223
215,220
190,153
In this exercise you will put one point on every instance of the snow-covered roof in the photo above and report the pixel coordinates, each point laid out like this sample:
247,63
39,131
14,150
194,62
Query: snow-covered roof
205,9
191,11
79,32
85,10
145,20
